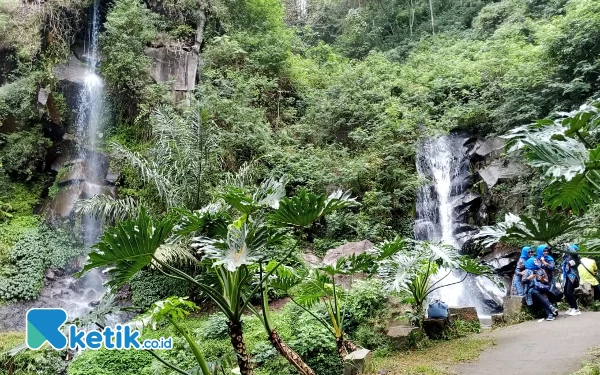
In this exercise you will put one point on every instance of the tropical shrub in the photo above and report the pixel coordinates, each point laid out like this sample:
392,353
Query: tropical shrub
24,153
22,274
148,287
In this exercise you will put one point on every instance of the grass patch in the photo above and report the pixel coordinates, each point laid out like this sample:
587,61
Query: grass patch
437,359
591,367
9,340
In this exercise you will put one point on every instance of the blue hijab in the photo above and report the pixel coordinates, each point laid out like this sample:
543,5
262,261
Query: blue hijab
539,251
525,252
530,264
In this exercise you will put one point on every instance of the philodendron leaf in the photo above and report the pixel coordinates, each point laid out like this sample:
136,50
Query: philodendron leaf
129,246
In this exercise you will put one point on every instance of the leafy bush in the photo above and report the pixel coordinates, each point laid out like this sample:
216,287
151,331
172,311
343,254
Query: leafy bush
22,275
366,300
109,362
129,27
148,287
372,337
24,153
16,100
34,362
316,346
215,328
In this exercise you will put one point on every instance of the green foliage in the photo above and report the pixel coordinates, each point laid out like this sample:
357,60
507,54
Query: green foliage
108,362
180,165
22,275
16,100
130,246
372,336
316,346
33,362
364,301
148,287
215,327
129,27
23,153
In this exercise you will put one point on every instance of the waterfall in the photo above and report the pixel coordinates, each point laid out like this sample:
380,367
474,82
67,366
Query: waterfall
89,125
440,216
77,296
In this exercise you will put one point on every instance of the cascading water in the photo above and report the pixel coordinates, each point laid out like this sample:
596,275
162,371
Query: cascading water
89,132
77,296
440,218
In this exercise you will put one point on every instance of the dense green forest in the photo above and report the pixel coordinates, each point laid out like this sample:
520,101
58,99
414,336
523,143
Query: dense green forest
287,111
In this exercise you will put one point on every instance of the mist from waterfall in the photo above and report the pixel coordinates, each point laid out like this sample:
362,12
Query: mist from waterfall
444,164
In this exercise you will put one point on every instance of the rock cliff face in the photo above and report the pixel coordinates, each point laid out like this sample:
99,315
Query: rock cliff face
495,172
178,67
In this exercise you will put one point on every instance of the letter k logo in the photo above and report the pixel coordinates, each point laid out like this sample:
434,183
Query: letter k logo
44,325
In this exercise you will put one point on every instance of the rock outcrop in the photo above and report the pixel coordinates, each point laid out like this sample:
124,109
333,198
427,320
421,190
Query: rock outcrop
345,250
176,67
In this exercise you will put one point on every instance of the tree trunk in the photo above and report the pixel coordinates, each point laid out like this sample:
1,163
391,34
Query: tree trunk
339,341
289,354
237,340
350,346
431,12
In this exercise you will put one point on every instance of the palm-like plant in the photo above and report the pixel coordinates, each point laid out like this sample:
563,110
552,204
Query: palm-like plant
295,214
411,265
319,286
182,162
542,228
233,251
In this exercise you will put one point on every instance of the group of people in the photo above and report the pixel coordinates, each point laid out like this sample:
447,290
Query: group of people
534,278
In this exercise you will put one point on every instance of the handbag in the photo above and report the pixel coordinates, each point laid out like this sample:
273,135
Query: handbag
437,310
555,294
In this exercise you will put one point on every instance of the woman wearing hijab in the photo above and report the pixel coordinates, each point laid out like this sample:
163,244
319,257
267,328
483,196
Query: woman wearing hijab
517,284
538,285
571,278
546,261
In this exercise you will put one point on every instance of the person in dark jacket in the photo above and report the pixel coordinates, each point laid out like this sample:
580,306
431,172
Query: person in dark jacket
571,278
538,286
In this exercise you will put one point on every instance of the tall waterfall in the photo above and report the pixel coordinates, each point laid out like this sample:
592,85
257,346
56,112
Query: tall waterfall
440,216
77,296
89,126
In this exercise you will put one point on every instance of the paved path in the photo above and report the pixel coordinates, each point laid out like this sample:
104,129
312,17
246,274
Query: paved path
532,348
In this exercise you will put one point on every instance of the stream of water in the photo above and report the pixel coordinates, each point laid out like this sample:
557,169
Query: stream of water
76,296
443,162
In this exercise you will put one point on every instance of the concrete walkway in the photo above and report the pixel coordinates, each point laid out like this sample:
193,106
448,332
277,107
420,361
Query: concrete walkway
551,348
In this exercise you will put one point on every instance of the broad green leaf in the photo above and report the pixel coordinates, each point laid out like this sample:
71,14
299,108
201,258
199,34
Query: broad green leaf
575,195
305,208
541,228
490,235
129,246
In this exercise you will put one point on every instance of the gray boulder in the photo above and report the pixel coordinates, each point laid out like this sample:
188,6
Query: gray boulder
345,250
499,171
490,147
357,362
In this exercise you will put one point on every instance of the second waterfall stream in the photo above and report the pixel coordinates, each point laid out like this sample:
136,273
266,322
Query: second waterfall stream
444,163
